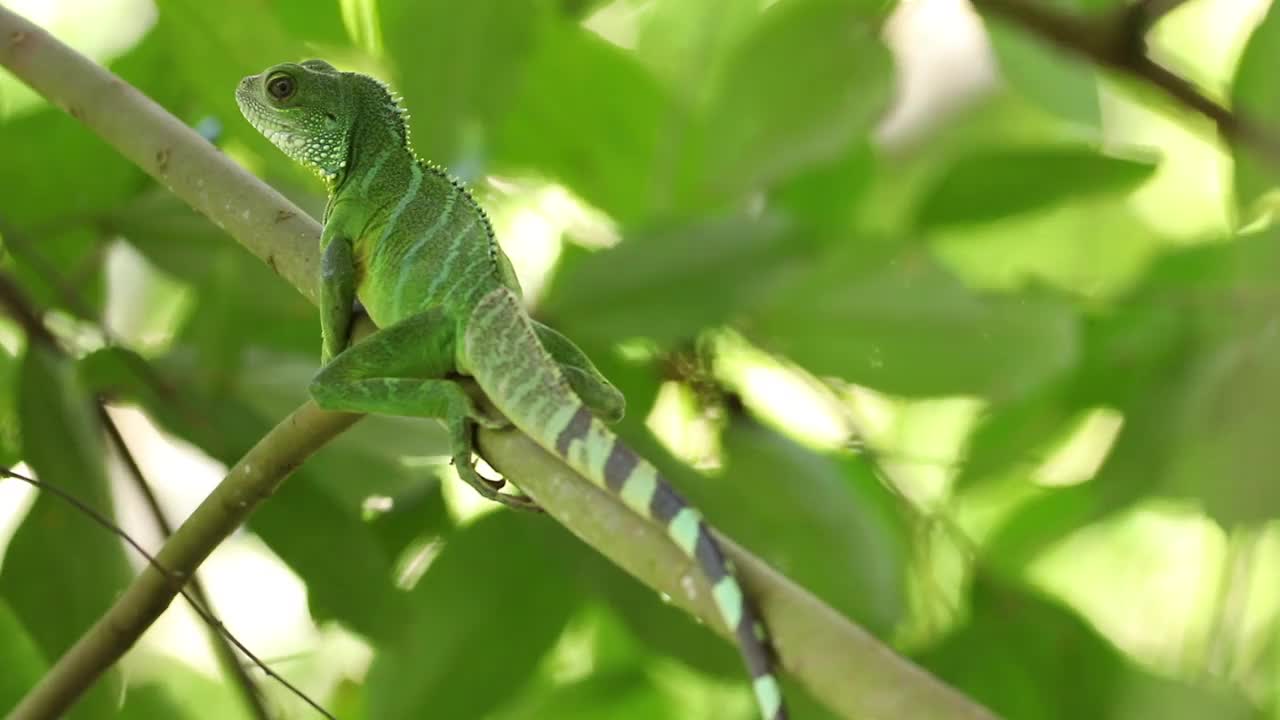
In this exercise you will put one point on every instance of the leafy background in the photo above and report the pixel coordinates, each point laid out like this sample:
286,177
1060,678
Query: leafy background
972,340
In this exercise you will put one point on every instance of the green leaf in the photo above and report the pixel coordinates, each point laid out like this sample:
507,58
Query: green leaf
1061,84
992,184
1203,380
173,237
44,173
1026,641
827,196
485,46
316,22
588,115
62,269
62,571
902,175
1255,93
1013,651
671,282
349,573
765,124
1019,433
1046,518
687,43
20,657
213,47
498,595
826,522
903,325
225,321
1094,247
1227,446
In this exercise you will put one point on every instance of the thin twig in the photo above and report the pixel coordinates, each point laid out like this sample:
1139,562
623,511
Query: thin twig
219,637
1116,40
201,608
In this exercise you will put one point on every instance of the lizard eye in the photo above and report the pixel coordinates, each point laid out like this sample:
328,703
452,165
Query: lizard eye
281,87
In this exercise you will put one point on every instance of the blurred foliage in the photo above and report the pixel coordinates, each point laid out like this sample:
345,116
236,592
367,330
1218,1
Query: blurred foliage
1003,250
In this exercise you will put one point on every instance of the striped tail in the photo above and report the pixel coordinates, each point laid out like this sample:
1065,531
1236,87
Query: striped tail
522,379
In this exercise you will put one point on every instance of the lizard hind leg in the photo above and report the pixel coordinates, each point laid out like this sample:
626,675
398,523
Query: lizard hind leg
596,392
402,370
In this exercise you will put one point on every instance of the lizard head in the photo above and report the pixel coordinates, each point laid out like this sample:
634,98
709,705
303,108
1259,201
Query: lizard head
305,109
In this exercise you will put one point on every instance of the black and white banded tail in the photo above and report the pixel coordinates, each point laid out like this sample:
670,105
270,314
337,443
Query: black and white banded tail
524,382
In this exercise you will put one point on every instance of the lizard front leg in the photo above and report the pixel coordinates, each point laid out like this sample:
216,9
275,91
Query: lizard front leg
402,370
337,294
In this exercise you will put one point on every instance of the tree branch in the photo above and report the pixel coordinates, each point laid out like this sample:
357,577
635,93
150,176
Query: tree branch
839,663
1116,40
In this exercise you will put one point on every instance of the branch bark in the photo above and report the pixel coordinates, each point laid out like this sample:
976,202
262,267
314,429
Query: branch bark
838,662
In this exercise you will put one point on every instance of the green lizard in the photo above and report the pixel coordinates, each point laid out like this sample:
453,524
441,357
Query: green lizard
416,249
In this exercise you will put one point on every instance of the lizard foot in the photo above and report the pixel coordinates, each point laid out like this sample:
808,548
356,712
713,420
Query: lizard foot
490,489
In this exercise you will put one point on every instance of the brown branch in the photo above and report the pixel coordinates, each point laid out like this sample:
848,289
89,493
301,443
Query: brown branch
1116,40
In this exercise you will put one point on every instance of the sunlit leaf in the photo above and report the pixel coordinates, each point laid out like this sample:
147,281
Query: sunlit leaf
670,282
906,326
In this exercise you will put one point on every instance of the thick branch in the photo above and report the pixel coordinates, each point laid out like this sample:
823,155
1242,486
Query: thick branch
1116,40
843,666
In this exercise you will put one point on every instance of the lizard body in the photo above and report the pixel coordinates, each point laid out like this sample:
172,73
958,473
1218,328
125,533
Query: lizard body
417,251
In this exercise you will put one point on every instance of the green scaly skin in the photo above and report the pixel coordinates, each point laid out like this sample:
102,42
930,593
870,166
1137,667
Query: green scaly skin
418,252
